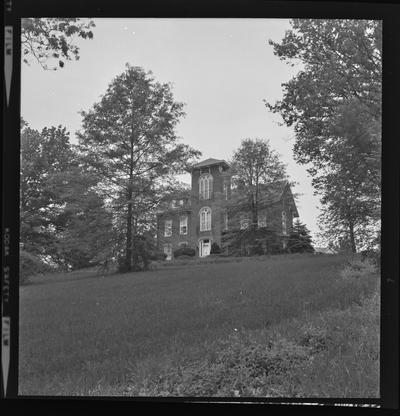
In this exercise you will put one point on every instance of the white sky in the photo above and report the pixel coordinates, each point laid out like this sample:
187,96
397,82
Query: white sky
221,68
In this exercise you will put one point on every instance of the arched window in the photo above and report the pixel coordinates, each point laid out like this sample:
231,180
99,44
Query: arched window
205,186
205,219
284,223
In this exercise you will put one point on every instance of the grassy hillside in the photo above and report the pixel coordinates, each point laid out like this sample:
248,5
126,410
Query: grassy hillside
119,333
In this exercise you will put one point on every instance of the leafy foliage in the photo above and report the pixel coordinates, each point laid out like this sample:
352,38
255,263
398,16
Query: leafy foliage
237,242
259,180
185,251
334,105
62,216
215,248
30,265
128,142
300,239
52,39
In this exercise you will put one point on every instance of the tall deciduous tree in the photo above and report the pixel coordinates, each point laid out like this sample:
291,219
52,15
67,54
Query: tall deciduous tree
62,216
52,39
258,176
334,105
43,155
257,168
129,141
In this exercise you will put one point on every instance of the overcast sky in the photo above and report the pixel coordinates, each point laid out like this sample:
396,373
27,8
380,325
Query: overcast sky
222,69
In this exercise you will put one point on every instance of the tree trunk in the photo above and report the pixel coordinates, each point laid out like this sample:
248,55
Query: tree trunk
135,248
128,257
352,237
128,254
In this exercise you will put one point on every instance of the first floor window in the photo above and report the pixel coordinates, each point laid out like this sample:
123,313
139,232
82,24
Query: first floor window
183,244
168,250
284,223
244,222
262,220
183,228
205,219
168,228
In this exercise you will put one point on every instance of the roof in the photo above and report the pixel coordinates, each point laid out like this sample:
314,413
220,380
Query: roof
274,191
209,162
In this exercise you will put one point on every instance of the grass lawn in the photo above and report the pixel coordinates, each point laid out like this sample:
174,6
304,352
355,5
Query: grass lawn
94,335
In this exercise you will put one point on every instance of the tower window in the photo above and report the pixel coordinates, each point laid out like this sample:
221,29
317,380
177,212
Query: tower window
205,186
205,219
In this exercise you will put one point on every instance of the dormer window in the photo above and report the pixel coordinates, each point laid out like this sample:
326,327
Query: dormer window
205,186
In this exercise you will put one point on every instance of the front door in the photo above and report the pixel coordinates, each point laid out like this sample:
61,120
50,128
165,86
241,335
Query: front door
205,247
168,251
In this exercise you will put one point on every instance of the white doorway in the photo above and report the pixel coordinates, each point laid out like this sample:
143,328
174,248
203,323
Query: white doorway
168,251
204,247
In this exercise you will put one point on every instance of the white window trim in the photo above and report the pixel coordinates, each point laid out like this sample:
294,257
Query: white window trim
168,250
205,186
206,225
168,228
183,222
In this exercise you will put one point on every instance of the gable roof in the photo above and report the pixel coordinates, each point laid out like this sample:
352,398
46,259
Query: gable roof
209,162
274,192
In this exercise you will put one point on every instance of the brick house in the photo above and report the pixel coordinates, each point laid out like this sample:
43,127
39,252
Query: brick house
199,217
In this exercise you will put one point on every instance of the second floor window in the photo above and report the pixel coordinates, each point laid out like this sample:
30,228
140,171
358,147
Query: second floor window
205,186
183,226
168,228
205,219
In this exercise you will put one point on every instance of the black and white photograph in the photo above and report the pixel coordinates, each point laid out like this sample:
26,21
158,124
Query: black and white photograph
200,207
